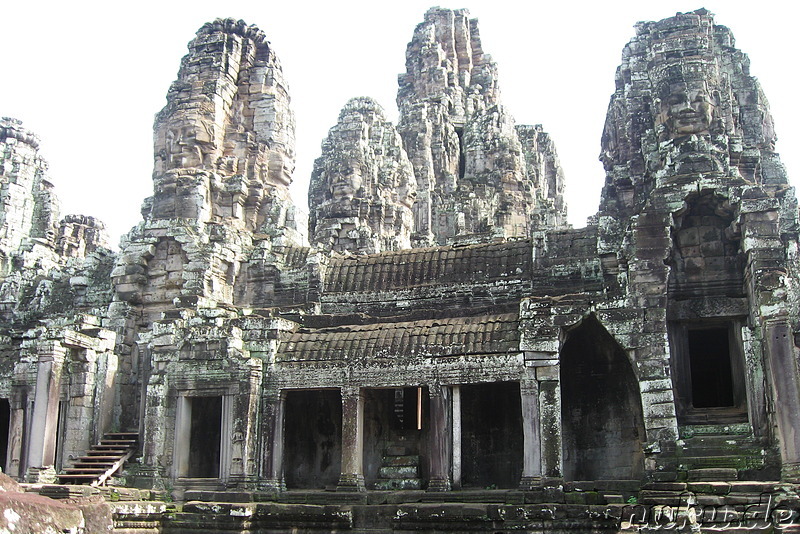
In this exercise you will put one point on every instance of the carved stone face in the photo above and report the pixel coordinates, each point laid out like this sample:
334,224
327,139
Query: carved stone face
407,192
686,109
187,143
182,149
346,181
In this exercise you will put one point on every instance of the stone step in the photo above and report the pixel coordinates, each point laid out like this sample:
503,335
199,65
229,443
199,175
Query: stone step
400,450
84,471
712,474
122,435
398,472
109,448
723,446
77,476
106,452
91,465
720,462
118,442
399,461
99,458
399,484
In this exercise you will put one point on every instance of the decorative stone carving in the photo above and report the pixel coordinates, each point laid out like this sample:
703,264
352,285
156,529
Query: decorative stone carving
225,140
685,104
30,209
472,178
363,185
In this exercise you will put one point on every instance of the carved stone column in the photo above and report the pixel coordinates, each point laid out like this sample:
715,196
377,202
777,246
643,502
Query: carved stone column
153,471
272,412
16,436
42,450
352,476
531,433
456,455
786,393
439,439
550,417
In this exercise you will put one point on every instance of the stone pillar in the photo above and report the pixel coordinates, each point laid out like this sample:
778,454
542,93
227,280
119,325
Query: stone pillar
456,437
240,417
439,436
531,433
352,477
157,435
42,450
786,394
272,417
550,418
767,284
107,365
80,416
16,433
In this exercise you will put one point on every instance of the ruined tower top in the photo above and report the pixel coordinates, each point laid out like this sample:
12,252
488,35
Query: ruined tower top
12,129
363,186
684,105
477,171
228,110
30,209
227,129
445,60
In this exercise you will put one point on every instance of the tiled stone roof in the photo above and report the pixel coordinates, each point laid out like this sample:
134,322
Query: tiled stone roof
486,334
430,266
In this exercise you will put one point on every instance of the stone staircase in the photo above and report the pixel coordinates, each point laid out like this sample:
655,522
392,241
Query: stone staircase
400,467
714,457
102,460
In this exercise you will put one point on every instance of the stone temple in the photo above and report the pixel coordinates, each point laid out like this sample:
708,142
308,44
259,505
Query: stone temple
447,353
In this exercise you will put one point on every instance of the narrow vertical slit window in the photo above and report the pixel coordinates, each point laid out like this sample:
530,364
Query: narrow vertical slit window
462,156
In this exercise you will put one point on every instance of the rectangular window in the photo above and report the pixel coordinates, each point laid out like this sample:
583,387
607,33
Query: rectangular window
708,371
710,368
205,436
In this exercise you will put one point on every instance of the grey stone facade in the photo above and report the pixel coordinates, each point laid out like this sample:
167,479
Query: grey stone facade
446,329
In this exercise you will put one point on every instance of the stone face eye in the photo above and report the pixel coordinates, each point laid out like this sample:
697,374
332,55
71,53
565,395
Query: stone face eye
674,100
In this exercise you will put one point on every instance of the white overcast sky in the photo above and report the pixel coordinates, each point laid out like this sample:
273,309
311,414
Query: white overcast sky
88,77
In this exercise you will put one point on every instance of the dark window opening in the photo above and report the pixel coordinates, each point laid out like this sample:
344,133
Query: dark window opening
5,419
491,435
205,436
462,156
313,439
710,368
708,371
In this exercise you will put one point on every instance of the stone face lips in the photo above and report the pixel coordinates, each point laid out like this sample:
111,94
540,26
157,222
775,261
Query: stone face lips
685,104
472,177
224,143
363,185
